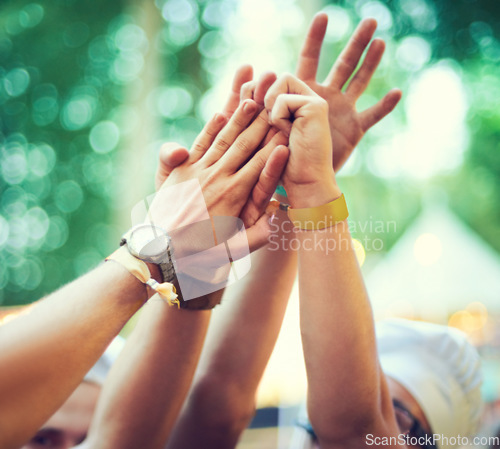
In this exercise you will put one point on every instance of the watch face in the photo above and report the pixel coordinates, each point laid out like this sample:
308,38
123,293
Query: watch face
148,242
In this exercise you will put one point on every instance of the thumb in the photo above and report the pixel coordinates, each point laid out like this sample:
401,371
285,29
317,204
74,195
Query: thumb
172,155
260,233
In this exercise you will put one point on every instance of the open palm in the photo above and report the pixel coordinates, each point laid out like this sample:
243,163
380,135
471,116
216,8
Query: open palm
347,125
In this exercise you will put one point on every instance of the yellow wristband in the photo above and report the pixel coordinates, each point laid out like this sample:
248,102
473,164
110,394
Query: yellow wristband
320,217
140,270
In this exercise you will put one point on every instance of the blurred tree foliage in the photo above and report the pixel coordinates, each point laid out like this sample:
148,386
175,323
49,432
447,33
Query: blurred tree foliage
66,67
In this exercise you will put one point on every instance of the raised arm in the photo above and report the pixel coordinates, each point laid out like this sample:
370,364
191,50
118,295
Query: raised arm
240,340
224,380
146,388
244,330
347,392
45,353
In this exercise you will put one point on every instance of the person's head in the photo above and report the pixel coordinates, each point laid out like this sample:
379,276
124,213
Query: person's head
434,377
68,427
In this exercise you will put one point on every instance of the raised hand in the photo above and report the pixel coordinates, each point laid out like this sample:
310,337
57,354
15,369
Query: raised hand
347,126
302,115
234,181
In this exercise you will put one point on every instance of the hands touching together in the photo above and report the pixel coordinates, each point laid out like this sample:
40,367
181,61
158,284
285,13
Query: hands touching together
303,125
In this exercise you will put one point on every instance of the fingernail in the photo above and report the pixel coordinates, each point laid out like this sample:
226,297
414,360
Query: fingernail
219,118
249,107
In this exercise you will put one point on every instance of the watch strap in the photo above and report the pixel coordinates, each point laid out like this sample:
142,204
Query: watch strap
140,270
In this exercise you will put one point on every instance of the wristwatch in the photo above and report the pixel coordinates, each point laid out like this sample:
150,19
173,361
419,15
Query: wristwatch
152,244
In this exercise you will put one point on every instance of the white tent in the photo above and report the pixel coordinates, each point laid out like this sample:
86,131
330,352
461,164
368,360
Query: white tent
437,267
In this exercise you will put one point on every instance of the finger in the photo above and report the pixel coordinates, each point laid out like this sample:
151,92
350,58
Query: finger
270,134
171,155
363,76
249,174
246,143
206,137
238,122
287,106
378,111
265,81
285,84
243,74
266,185
258,234
269,178
256,90
307,65
348,60
247,90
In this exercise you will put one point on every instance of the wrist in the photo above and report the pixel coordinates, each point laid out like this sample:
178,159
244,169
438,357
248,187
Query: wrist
313,194
134,286
155,271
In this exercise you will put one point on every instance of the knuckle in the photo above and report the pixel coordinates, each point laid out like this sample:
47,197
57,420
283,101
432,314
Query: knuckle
260,161
198,146
244,146
221,143
247,89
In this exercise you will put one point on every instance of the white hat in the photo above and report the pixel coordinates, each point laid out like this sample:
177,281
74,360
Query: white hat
99,371
441,370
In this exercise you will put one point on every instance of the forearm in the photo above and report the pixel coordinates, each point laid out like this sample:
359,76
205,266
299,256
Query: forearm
45,353
149,382
337,329
239,343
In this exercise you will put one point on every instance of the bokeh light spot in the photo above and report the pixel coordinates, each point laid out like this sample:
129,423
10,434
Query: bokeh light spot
104,137
18,234
175,11
378,11
14,164
16,82
4,231
172,102
78,112
359,250
13,201
45,104
413,53
29,274
42,160
215,13
31,15
182,34
57,233
339,23
37,221
68,196
213,45
127,66
131,37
